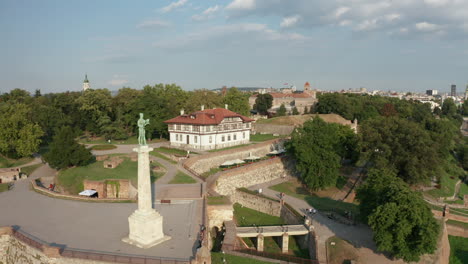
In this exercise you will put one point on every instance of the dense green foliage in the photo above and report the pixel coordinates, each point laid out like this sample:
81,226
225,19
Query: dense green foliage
65,152
281,110
263,103
458,250
318,148
295,111
27,121
402,222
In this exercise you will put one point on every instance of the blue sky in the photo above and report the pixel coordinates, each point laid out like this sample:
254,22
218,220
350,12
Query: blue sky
334,44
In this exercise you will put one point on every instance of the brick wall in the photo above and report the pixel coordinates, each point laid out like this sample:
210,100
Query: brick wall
272,129
256,173
256,202
99,186
218,214
204,163
111,188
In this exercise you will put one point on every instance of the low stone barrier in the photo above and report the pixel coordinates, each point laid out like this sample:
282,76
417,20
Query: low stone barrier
457,230
45,191
204,163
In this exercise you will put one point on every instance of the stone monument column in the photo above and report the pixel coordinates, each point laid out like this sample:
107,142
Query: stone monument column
145,224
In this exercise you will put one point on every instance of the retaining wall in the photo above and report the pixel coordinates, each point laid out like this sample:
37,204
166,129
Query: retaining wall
272,129
257,203
256,173
457,231
204,163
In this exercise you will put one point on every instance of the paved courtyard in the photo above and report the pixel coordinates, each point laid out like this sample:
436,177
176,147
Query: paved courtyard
96,226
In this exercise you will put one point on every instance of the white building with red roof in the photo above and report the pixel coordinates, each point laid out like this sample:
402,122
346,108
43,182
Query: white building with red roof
209,129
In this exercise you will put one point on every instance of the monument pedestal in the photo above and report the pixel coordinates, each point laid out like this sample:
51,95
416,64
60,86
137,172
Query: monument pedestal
145,224
146,229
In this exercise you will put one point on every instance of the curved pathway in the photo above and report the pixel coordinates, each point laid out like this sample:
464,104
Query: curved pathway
360,235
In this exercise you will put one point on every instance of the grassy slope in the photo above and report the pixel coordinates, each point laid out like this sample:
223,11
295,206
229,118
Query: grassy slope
262,137
103,147
217,258
252,217
6,162
181,178
29,169
320,203
72,179
458,250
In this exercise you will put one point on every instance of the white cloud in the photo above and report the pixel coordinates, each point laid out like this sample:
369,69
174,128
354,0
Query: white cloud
207,14
426,27
117,80
241,5
341,11
173,5
372,16
154,24
290,21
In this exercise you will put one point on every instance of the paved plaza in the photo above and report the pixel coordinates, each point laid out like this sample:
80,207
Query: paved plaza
96,226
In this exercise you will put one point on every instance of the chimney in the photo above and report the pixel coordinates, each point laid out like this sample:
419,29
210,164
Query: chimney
202,107
226,106
181,111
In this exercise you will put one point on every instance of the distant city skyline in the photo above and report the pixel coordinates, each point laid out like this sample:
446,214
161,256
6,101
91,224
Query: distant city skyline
411,45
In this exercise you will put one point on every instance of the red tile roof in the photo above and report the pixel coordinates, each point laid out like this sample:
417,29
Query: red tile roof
206,117
284,95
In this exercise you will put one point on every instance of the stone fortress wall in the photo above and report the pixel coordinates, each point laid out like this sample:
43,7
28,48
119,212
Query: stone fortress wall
256,173
204,163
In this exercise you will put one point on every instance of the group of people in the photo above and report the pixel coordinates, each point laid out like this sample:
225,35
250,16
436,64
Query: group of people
311,211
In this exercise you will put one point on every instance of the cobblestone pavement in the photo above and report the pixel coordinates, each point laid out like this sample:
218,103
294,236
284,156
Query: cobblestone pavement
96,226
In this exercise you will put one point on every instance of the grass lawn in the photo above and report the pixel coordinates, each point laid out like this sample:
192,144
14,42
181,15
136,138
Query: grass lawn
320,203
130,140
211,172
6,162
262,137
181,178
161,156
457,223
248,217
341,251
458,250
72,179
174,151
217,258
449,177
29,169
463,190
103,147
218,200
233,147
3,187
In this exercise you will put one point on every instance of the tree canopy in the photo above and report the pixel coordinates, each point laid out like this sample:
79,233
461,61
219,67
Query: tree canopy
281,111
263,102
401,220
237,101
318,148
64,151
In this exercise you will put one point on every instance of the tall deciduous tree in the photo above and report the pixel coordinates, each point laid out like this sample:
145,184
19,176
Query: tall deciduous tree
316,148
64,151
238,102
402,145
402,222
201,97
19,135
263,103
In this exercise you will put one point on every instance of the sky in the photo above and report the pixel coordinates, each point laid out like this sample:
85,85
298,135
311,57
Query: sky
401,45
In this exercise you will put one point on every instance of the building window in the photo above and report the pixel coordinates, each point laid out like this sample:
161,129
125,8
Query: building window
226,127
177,137
235,137
196,128
211,139
229,137
248,125
222,138
178,127
196,139
208,128
243,135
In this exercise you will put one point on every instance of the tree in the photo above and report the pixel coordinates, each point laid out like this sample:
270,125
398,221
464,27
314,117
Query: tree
315,146
94,104
306,111
263,103
464,108
401,221
237,101
64,151
294,111
201,97
402,145
19,135
281,111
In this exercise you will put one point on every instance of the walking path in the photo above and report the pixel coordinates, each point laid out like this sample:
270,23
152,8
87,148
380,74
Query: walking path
360,235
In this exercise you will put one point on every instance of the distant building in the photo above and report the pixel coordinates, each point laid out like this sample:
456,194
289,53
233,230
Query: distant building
466,92
86,85
290,100
209,129
10,174
432,92
453,90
